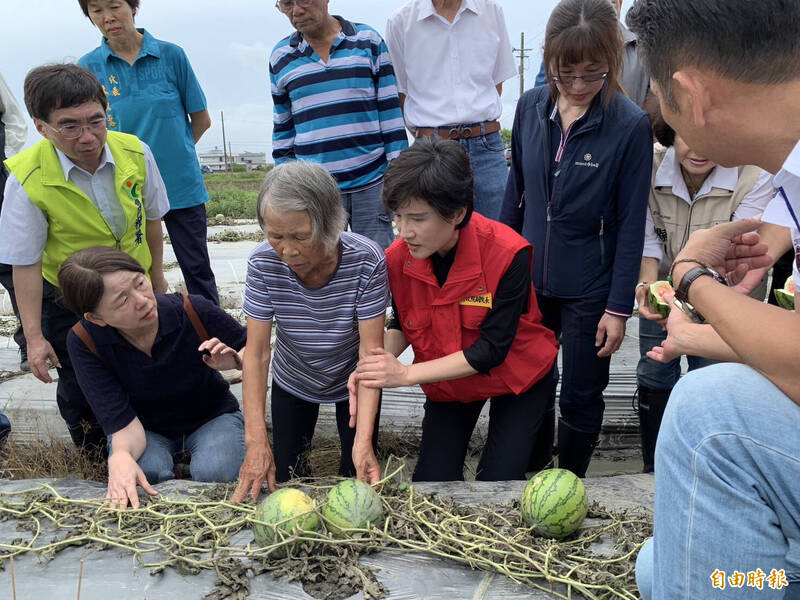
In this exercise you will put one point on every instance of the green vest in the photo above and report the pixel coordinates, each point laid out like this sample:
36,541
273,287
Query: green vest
73,221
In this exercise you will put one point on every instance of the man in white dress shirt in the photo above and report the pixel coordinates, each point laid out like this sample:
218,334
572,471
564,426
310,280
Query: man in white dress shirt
13,135
727,504
81,186
451,58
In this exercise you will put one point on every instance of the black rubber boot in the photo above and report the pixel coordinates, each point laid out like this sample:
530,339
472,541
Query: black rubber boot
575,448
651,410
542,452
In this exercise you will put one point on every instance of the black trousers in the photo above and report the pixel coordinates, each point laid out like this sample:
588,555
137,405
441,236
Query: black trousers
7,281
187,228
293,424
584,375
83,427
513,422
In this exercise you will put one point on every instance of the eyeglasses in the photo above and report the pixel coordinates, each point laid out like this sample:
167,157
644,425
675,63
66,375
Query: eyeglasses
71,132
569,80
286,6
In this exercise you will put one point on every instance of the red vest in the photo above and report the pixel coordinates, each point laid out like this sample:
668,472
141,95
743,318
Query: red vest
441,321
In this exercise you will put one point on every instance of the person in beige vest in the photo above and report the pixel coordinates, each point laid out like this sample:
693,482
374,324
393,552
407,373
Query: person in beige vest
689,192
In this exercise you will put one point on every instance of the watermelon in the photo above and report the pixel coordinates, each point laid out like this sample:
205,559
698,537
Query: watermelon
352,504
282,514
554,502
785,296
655,298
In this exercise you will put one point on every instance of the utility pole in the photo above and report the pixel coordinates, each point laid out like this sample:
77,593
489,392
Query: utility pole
522,56
224,153
230,154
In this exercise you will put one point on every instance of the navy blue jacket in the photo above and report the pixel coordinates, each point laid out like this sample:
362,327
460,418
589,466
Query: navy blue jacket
587,233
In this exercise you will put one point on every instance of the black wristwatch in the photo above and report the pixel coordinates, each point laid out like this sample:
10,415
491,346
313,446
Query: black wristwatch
682,293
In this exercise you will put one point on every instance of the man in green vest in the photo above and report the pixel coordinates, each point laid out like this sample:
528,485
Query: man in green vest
79,187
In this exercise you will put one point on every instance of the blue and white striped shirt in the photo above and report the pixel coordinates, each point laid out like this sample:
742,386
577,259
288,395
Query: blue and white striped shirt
344,114
317,339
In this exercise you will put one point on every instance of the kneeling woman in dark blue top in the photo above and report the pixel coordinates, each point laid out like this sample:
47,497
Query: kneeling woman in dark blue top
146,364
578,190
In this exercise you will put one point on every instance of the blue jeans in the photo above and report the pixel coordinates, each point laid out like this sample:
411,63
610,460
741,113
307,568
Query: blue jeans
727,492
217,451
487,157
367,215
653,374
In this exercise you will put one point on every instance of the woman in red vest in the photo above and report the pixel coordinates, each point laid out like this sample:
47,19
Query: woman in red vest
463,300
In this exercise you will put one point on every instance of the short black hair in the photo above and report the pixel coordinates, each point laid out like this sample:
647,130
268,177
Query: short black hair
435,170
51,87
134,4
752,41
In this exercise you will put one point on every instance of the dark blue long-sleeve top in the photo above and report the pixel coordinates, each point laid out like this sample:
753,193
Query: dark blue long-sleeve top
581,201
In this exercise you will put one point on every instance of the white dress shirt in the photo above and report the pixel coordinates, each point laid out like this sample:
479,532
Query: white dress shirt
777,212
23,225
449,71
725,178
16,126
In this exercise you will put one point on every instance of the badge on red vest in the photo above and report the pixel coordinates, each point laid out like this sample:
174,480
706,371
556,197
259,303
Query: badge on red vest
482,300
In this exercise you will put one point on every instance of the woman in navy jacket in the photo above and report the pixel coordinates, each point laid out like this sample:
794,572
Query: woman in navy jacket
578,190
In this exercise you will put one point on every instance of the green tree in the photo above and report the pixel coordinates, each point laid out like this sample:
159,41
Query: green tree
238,168
506,135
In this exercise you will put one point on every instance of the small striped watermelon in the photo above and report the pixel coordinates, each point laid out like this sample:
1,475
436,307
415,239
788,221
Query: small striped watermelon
282,514
352,504
554,502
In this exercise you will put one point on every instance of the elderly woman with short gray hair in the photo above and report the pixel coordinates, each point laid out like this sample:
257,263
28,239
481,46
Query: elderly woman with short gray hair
327,291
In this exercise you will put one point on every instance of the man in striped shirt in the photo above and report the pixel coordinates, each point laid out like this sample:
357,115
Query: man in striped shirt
335,103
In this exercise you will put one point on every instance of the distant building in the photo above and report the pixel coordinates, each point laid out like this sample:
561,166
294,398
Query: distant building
252,159
215,159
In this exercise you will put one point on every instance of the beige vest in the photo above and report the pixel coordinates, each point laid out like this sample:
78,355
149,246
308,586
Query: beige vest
675,220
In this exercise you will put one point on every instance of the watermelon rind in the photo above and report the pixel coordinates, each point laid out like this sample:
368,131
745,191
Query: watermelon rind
654,299
784,298
283,513
351,504
554,502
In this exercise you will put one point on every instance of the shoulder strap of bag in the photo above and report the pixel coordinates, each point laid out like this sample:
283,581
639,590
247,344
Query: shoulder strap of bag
194,318
85,337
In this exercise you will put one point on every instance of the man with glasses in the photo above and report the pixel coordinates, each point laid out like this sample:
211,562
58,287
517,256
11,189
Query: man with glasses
335,103
79,187
451,58
727,462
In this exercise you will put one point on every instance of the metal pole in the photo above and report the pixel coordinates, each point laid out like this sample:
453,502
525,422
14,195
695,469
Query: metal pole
224,153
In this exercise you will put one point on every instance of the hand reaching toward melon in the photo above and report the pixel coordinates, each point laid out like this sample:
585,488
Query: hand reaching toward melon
366,463
258,465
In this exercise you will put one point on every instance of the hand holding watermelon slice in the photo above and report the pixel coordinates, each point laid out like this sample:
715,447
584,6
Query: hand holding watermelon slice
656,302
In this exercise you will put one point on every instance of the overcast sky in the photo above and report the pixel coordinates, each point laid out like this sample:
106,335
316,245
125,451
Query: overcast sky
228,43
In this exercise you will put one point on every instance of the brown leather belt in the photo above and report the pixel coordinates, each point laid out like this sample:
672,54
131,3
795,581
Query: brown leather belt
459,132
